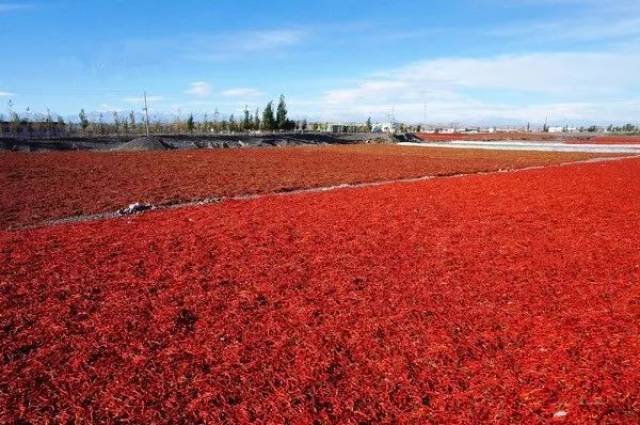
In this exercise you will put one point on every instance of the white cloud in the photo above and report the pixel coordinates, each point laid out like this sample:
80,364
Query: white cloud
571,86
238,45
5,94
265,40
140,100
211,47
242,92
199,89
590,29
538,72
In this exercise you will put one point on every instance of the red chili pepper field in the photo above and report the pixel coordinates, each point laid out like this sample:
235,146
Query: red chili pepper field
36,187
500,298
549,137
607,140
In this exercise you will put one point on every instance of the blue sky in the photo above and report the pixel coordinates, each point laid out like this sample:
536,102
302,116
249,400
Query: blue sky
462,61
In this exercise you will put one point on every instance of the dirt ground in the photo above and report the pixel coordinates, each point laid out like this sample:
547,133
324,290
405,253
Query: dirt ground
216,141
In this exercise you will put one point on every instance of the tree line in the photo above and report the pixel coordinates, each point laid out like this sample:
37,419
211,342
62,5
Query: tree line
269,120
125,124
132,124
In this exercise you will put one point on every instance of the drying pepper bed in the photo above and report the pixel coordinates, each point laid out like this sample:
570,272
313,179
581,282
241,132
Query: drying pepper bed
503,298
38,187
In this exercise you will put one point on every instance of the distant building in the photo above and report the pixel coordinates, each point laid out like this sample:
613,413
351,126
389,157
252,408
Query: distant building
345,128
563,129
510,130
387,127
24,129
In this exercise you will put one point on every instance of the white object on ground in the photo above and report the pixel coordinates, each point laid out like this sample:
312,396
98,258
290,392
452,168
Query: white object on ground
528,146
134,208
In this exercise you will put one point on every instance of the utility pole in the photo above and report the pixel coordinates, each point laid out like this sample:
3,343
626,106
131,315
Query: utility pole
146,114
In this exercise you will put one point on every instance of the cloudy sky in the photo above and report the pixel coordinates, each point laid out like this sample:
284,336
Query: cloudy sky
455,61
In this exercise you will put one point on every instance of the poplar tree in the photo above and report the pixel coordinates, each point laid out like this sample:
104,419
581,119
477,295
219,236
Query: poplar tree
246,120
15,123
205,123
256,120
281,114
116,122
61,125
268,120
49,123
101,123
84,122
132,120
190,123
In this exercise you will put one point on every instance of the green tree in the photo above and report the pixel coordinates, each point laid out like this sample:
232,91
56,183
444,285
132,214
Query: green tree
29,125
256,120
190,123
14,118
84,122
101,123
232,123
61,125
116,122
205,123
15,123
268,120
281,114
369,126
132,120
49,123
246,119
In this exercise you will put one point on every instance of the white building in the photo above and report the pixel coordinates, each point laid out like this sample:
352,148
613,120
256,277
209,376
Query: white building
565,129
387,127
